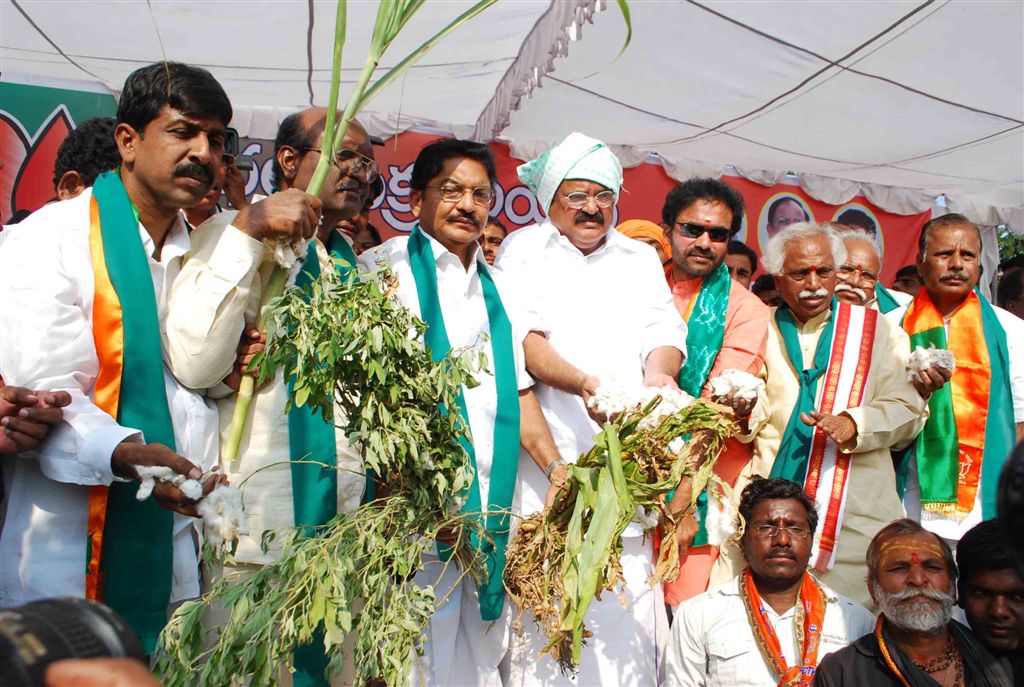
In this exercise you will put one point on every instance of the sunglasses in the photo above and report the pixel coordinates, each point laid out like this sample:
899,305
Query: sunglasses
695,231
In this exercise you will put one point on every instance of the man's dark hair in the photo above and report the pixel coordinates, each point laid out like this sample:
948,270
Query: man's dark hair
497,223
762,489
852,217
1010,288
908,271
899,528
773,209
765,282
89,150
953,219
293,134
740,248
433,156
984,548
1012,261
190,90
374,234
690,191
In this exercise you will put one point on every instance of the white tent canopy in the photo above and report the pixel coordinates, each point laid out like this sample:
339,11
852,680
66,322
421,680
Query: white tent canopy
903,101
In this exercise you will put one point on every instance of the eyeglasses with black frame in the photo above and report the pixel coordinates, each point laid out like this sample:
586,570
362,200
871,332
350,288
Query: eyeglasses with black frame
580,200
453,193
694,231
358,162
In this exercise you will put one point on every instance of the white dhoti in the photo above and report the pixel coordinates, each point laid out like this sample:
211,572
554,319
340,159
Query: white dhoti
460,649
628,641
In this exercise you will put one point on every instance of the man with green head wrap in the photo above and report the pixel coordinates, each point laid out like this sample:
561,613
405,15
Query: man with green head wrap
597,308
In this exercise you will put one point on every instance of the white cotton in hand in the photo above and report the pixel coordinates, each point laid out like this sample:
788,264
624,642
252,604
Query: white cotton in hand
736,384
646,520
149,475
613,397
223,515
286,253
924,358
191,489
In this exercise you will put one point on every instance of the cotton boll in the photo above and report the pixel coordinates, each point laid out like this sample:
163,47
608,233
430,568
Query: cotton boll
191,489
223,515
720,521
737,384
923,358
613,397
149,475
287,253
646,520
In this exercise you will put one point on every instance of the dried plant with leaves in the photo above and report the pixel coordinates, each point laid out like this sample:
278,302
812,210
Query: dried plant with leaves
562,558
351,343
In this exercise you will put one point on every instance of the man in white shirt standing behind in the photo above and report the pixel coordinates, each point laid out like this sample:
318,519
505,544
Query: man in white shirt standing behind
774,623
85,283
598,308
443,278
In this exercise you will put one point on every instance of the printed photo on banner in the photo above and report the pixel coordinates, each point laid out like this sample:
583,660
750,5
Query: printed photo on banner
860,216
778,212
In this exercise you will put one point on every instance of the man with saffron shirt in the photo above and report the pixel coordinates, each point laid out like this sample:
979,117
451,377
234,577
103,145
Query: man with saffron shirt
915,643
838,400
87,282
773,623
727,328
444,279
954,467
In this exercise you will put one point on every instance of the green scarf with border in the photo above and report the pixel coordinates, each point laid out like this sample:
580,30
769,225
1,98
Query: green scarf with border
505,460
705,332
795,449
314,487
138,560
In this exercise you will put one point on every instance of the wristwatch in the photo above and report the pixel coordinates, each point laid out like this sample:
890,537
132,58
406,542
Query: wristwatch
552,466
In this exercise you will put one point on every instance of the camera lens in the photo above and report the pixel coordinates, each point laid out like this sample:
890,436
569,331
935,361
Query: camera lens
37,634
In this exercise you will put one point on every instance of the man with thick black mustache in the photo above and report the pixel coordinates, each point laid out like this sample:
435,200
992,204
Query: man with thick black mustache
210,337
976,418
86,282
597,309
773,623
915,642
838,400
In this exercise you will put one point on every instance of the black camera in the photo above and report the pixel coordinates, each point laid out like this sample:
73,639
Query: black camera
42,632
232,144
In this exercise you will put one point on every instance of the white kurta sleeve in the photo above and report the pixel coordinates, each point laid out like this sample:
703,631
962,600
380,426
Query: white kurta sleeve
46,342
663,325
896,413
207,305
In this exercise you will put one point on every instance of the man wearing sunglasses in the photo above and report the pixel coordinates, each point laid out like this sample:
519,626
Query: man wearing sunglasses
211,337
728,332
597,308
840,400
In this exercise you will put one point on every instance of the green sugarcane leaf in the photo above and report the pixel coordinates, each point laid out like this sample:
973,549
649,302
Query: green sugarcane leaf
624,8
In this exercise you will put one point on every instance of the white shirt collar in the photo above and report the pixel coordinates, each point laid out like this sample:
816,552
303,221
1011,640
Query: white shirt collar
176,244
445,258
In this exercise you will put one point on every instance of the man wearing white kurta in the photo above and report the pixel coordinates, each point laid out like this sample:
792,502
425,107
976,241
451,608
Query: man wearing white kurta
217,298
48,274
451,193
838,399
598,308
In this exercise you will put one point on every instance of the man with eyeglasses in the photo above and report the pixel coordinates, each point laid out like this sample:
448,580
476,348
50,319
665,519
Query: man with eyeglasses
726,329
773,623
597,308
857,279
836,378
211,337
444,279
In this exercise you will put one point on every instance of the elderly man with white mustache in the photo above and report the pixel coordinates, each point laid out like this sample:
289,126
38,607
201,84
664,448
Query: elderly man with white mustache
838,400
858,277
915,643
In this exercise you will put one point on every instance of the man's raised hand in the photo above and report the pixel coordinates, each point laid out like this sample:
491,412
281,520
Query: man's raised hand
287,215
26,416
129,455
840,428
